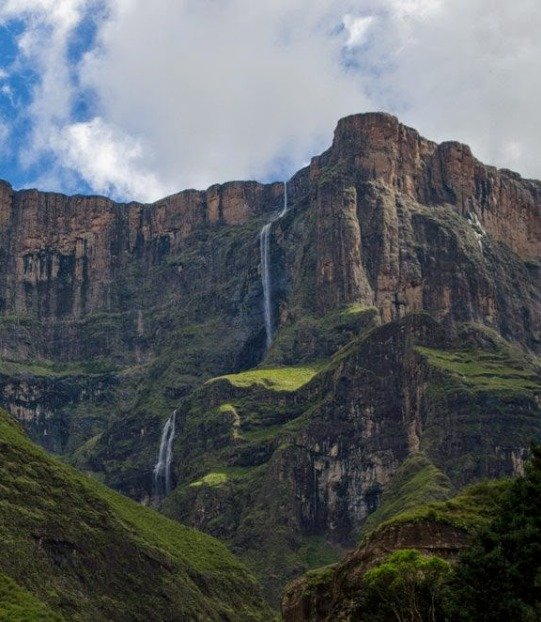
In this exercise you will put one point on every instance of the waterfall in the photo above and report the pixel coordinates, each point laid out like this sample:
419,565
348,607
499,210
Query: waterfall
264,247
162,469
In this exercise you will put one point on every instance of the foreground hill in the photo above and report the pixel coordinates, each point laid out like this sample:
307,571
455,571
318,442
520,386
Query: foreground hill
72,549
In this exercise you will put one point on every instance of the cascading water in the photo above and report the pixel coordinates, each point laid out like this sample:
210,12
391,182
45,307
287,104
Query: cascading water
264,247
162,469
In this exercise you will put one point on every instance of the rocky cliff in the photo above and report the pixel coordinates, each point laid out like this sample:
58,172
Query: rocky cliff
405,292
288,464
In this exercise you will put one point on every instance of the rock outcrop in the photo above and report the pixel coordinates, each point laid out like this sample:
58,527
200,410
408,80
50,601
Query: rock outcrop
333,593
384,199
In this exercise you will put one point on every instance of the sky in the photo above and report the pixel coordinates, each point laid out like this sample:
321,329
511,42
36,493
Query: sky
137,99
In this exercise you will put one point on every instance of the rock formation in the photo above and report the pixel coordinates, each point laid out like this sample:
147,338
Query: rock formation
406,298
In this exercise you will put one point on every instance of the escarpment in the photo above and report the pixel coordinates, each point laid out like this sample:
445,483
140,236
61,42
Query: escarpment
377,206
403,287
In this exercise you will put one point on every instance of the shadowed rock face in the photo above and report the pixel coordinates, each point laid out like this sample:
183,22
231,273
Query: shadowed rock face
114,315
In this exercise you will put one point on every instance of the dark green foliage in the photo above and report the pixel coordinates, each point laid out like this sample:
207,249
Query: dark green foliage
499,577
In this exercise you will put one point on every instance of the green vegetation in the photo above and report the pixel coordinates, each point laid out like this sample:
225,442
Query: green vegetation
407,587
18,605
211,480
275,379
414,484
470,509
318,578
499,578
312,338
53,368
315,552
489,371
86,552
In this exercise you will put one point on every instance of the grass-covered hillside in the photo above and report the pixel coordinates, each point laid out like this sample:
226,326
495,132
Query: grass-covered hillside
72,549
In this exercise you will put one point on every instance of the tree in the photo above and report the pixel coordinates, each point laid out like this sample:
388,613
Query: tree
499,577
407,587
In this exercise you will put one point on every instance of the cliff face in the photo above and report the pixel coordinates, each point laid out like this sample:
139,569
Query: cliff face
66,259
378,148
289,471
398,271
430,229
375,201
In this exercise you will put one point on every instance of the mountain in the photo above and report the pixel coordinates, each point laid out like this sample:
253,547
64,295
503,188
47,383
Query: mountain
74,550
398,287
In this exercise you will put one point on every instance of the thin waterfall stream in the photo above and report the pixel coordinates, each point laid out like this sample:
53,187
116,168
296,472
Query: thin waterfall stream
264,247
162,468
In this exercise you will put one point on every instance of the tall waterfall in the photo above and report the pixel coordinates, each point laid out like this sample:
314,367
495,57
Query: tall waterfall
162,469
264,247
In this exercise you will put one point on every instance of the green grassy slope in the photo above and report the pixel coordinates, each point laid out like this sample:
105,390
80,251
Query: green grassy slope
416,482
276,378
471,508
18,605
88,553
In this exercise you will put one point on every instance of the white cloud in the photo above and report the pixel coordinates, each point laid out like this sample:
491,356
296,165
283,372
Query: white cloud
357,28
193,92
107,159
222,90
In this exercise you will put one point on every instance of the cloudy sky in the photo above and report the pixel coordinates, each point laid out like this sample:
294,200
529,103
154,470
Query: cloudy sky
137,99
